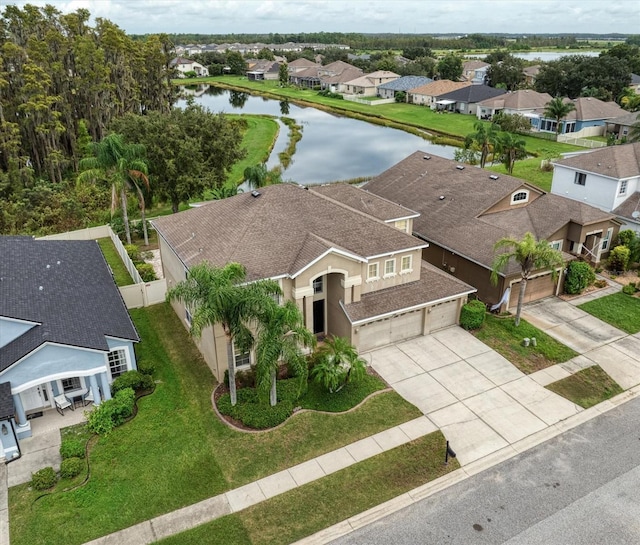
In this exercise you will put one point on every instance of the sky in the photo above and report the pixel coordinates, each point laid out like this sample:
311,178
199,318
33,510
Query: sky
366,16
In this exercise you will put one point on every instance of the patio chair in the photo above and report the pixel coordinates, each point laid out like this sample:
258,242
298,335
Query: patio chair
62,403
88,397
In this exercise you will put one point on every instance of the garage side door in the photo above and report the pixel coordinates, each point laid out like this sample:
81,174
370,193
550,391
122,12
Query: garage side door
537,288
443,315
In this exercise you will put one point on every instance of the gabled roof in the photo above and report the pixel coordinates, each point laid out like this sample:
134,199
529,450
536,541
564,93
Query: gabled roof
473,93
518,100
617,162
65,287
454,204
626,119
343,77
591,109
405,83
368,80
474,65
531,71
439,87
338,67
302,63
277,233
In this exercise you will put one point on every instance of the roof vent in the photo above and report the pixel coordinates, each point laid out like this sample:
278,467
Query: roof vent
494,177
255,194
441,197
460,167
427,157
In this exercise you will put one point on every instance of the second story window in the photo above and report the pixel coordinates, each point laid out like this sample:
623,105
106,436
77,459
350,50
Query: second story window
390,267
406,265
318,285
623,188
372,271
580,179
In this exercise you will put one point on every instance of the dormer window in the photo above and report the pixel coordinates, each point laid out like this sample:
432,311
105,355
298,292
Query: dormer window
623,188
520,197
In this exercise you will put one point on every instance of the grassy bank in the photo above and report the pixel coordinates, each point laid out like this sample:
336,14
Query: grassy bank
120,272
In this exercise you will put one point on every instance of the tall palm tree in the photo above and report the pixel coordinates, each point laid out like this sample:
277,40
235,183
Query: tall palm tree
120,164
222,296
510,148
557,109
531,255
281,335
337,362
484,138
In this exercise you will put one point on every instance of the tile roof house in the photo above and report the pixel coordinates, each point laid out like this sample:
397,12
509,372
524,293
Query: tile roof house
465,210
403,84
518,102
367,85
465,100
262,69
343,255
608,178
428,95
64,328
330,75
475,72
183,66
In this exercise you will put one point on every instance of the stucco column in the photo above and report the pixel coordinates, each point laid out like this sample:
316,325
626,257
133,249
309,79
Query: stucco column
308,312
20,414
93,385
104,386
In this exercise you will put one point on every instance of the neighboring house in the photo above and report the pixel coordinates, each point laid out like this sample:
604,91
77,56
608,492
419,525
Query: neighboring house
635,83
465,100
261,69
183,66
621,126
465,210
346,257
608,178
300,64
429,94
475,72
524,102
64,328
530,74
402,85
325,77
589,118
367,85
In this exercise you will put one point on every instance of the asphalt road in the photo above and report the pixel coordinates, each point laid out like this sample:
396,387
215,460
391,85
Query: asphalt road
580,488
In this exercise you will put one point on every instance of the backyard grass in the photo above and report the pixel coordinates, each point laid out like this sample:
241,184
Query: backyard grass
120,273
317,505
587,387
618,309
175,452
528,169
501,334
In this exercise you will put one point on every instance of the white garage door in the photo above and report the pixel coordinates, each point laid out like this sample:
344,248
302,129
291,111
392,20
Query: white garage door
442,315
389,330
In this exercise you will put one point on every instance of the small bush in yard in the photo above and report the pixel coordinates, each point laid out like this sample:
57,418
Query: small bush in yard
132,379
472,315
133,252
71,448
111,413
44,479
619,259
579,276
629,289
146,271
71,467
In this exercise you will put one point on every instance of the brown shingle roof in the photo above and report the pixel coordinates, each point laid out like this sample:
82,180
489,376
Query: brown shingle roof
518,100
439,87
434,285
629,207
589,109
613,161
302,62
278,232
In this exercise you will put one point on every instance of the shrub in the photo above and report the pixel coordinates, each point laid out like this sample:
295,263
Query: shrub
147,272
579,276
619,258
254,414
133,252
44,479
244,379
146,368
71,467
600,283
629,289
472,315
72,448
132,379
112,413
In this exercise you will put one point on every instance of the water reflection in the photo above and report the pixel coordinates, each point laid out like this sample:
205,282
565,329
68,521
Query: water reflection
332,147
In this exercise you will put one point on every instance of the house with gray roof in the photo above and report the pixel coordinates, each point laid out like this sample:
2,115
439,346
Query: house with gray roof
65,332
402,85
465,210
621,126
345,256
608,178
523,102
465,100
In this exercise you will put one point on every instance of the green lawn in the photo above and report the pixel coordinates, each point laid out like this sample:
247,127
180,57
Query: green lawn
322,503
619,310
120,273
501,334
176,452
587,387
528,169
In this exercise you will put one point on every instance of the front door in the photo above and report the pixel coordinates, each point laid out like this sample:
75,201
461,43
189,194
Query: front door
318,317
37,397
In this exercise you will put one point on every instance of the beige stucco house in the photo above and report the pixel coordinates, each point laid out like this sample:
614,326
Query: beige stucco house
345,256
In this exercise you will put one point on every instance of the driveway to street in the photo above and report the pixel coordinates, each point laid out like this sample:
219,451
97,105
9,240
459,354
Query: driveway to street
479,400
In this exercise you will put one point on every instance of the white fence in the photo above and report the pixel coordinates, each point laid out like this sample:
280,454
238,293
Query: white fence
582,142
139,294
356,98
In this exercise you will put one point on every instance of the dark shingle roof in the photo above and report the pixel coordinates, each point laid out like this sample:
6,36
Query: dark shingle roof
613,161
473,94
7,409
406,83
65,287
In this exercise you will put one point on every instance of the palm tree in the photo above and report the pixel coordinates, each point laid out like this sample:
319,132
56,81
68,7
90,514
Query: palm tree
557,109
224,192
531,255
484,138
258,176
337,362
222,296
120,164
281,334
510,149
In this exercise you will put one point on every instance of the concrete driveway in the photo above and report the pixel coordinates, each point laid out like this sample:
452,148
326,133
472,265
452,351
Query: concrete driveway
479,400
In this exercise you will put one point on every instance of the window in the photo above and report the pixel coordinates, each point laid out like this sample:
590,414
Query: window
556,245
242,359
71,384
390,267
520,197
317,285
117,362
606,239
402,225
581,178
623,188
406,264
372,271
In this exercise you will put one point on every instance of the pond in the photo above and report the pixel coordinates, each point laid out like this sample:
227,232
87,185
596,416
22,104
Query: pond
545,56
332,147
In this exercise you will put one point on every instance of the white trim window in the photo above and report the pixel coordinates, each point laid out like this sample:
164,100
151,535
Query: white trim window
580,179
403,225
71,384
118,362
406,265
373,272
318,285
556,245
520,197
389,268
606,239
241,359
623,187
